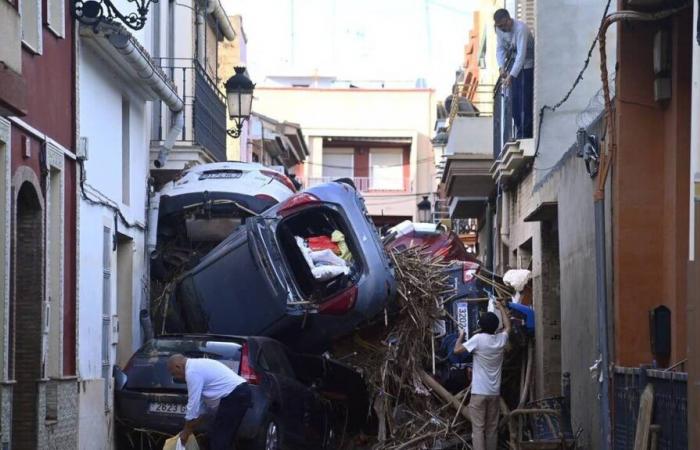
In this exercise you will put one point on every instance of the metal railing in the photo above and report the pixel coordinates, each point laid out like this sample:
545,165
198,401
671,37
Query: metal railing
205,107
503,124
365,184
670,406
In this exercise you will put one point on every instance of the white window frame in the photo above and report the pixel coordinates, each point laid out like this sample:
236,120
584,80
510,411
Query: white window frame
36,47
56,17
372,185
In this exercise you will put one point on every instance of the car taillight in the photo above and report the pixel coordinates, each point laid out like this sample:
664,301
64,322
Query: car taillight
296,201
247,371
266,198
281,178
341,303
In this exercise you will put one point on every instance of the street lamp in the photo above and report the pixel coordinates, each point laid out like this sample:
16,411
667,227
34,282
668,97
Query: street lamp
424,210
239,98
92,12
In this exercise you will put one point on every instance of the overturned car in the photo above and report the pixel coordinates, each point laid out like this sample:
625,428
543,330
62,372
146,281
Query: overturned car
307,270
198,210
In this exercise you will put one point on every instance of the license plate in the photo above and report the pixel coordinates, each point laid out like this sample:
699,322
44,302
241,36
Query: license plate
462,316
220,175
167,408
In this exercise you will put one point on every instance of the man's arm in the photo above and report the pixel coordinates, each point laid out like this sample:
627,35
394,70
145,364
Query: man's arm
521,34
195,385
504,316
459,348
500,50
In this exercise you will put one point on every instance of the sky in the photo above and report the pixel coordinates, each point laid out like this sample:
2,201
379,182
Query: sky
392,40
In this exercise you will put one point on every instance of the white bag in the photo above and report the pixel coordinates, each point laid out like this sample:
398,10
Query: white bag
327,258
323,273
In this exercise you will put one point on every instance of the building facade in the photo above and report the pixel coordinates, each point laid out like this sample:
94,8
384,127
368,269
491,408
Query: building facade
378,137
38,391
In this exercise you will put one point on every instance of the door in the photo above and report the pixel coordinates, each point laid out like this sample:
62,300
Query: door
234,290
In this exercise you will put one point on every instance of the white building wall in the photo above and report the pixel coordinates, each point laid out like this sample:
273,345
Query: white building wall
100,121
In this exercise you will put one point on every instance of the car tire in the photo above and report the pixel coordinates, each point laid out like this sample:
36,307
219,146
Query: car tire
269,438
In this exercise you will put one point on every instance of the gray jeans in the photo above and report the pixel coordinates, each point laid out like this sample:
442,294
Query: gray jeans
483,410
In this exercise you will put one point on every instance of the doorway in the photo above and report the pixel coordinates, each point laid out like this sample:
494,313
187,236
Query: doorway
26,324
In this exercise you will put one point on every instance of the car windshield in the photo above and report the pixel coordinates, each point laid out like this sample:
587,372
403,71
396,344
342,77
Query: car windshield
148,369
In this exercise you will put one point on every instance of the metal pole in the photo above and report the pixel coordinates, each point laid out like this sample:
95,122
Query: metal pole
602,300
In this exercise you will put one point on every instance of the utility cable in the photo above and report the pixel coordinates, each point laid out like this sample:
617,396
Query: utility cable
576,82
104,201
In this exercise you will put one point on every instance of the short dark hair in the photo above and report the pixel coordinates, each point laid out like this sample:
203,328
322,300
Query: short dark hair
488,322
501,14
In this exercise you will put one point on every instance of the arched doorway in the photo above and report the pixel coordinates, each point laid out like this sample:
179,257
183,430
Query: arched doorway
26,315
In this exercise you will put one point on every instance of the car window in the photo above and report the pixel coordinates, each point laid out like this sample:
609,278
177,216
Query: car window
277,360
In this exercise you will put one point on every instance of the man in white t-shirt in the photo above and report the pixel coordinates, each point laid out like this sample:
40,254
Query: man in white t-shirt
487,348
212,385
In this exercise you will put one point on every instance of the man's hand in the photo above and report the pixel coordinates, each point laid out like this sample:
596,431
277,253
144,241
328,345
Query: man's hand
502,71
508,81
504,315
185,435
459,348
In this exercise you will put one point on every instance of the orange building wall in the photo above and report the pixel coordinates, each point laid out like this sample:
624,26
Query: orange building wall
650,193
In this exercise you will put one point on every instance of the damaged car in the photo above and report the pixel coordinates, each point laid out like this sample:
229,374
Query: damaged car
308,270
296,399
437,240
204,205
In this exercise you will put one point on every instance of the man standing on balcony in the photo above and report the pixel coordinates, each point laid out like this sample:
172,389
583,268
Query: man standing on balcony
515,54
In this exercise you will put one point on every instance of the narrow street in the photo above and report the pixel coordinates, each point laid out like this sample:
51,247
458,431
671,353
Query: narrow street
352,225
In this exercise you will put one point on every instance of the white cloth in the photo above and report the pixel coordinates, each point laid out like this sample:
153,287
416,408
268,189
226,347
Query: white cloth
487,351
324,264
518,38
208,381
516,278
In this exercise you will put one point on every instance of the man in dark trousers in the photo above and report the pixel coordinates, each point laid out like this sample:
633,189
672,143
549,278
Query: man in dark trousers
515,54
487,349
210,384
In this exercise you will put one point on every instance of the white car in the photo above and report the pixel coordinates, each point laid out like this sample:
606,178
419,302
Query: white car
205,204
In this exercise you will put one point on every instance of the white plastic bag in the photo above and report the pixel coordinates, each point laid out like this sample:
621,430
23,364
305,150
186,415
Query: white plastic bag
323,273
175,443
493,309
516,278
327,258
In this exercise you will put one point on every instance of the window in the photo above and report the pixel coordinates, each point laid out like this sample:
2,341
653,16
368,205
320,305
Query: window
55,17
30,10
126,151
338,163
386,169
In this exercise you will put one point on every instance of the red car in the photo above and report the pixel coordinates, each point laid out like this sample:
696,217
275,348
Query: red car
438,240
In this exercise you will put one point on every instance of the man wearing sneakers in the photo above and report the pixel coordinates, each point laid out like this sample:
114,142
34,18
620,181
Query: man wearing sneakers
487,348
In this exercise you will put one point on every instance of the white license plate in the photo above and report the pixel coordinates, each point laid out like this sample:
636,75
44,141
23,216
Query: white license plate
463,316
167,408
220,175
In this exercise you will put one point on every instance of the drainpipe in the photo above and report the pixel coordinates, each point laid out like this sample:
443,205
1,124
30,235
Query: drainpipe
227,30
214,8
150,76
201,32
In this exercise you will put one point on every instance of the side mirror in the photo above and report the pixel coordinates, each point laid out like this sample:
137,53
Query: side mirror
120,378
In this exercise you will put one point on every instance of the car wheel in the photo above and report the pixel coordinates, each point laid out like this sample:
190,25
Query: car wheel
269,437
272,436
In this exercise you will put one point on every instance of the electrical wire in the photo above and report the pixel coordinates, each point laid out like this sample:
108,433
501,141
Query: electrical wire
104,201
576,82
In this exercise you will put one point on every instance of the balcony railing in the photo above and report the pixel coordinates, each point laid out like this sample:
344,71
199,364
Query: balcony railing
364,184
205,107
503,124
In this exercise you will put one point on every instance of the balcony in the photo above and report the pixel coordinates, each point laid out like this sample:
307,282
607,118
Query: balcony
366,185
510,153
203,138
468,159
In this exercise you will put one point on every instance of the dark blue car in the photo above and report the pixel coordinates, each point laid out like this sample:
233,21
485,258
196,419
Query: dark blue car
259,281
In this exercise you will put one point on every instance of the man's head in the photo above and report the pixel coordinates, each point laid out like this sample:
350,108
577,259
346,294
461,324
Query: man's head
176,365
502,20
488,322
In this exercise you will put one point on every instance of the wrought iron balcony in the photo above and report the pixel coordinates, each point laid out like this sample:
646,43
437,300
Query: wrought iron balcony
205,108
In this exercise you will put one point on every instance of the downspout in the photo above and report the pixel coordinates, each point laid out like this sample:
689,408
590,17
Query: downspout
607,159
201,31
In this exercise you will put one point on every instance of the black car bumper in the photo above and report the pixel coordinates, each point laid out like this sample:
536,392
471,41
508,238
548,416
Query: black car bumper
132,413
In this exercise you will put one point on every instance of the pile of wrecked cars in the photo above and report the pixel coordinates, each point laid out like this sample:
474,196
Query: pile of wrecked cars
253,263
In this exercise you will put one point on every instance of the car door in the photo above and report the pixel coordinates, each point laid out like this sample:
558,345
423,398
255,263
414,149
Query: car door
291,411
234,290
